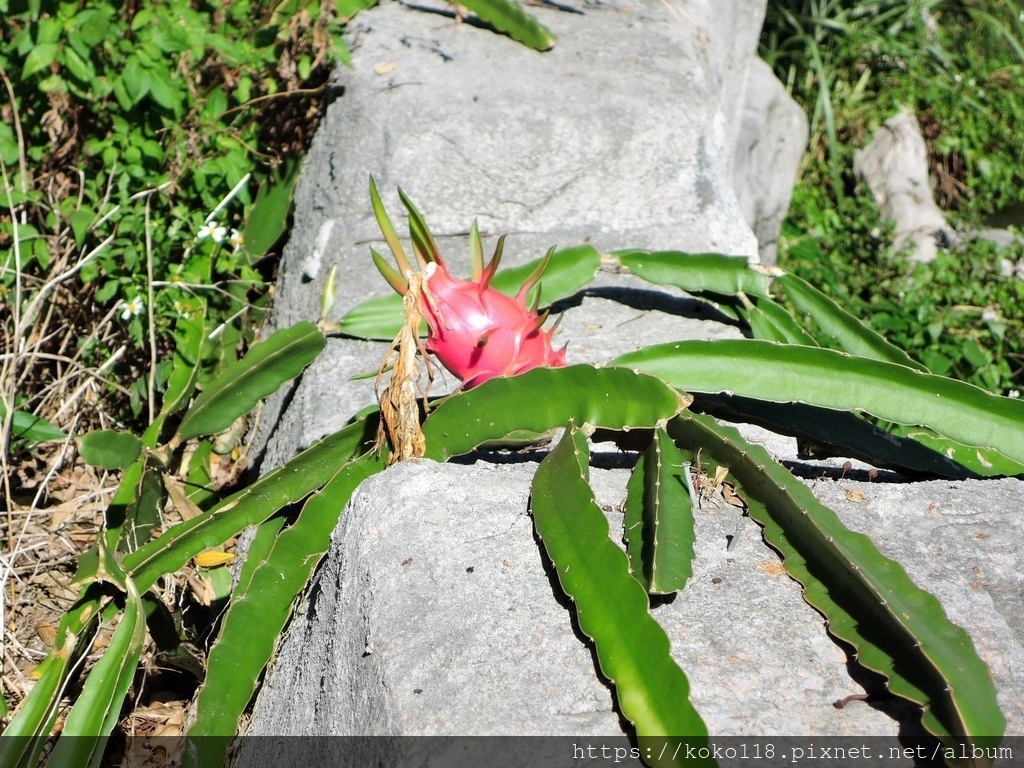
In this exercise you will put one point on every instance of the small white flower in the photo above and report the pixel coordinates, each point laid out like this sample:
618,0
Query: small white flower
211,230
1014,393
132,308
183,309
237,239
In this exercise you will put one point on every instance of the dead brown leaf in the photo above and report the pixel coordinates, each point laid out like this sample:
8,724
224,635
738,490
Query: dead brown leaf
731,497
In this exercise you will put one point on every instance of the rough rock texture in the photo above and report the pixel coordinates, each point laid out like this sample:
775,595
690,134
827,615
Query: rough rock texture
773,135
895,166
435,614
623,135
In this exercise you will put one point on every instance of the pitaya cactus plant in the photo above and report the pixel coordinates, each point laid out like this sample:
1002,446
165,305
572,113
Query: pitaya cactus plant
663,395
474,330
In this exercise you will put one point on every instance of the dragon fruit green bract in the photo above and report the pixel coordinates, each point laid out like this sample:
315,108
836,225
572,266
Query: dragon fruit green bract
475,331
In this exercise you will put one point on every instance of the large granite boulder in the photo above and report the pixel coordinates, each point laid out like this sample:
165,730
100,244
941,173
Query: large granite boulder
433,612
769,149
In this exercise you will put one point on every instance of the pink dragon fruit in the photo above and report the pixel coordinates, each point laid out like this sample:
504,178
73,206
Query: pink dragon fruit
476,331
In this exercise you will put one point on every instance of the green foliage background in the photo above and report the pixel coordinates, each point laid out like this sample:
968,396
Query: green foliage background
959,67
125,130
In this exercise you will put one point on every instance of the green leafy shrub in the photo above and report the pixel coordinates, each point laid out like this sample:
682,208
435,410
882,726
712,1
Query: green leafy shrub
147,157
960,316
663,392
133,144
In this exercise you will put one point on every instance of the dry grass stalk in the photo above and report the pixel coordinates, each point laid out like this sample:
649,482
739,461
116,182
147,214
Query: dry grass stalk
52,503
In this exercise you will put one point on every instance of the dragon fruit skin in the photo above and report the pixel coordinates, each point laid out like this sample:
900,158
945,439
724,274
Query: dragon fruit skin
476,331
479,333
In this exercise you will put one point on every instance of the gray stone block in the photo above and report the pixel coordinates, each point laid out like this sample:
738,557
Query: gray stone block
895,167
769,150
435,613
